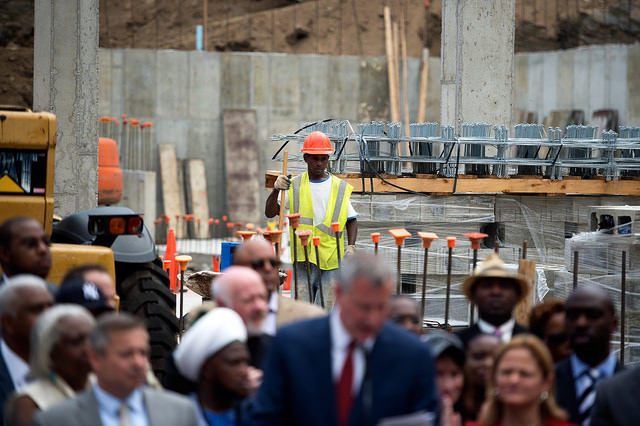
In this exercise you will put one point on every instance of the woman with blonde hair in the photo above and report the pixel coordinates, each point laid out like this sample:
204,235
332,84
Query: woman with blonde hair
520,389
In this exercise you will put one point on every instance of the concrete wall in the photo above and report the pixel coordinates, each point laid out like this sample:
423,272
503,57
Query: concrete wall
184,93
66,83
589,78
477,77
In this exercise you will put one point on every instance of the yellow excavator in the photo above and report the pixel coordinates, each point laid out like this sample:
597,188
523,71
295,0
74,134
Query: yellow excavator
112,236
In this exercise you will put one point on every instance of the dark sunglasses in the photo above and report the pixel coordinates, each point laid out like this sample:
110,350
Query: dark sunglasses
557,338
402,318
261,263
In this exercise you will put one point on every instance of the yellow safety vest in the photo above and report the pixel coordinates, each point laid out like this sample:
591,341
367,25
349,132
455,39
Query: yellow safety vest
300,202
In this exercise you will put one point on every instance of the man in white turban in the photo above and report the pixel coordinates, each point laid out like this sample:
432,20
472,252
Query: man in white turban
213,353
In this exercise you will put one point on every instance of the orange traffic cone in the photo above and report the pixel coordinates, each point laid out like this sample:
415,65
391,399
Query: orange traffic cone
216,264
287,284
170,260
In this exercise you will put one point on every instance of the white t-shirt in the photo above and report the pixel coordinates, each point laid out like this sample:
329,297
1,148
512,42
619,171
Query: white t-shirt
320,193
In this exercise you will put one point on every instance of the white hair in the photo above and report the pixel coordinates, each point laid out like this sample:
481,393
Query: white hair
9,291
46,334
222,287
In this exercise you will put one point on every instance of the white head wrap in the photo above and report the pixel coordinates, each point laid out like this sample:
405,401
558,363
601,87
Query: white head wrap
206,337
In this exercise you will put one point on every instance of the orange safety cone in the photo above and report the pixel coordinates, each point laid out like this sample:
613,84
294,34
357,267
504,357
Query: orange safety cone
287,283
170,260
216,264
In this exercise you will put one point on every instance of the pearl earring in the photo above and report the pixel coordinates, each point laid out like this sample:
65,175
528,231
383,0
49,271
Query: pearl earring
543,396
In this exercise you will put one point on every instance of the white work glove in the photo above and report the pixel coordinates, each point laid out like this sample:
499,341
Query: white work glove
283,182
350,250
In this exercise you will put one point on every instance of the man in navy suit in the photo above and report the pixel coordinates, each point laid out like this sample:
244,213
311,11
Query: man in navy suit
590,321
350,368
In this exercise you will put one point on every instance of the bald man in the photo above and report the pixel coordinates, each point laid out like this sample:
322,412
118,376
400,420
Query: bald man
258,255
241,289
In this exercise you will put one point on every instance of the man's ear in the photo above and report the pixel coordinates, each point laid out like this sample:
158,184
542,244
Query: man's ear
94,359
4,255
7,323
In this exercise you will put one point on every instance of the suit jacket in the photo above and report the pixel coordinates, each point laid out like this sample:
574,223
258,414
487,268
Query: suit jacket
617,400
467,334
258,346
6,386
298,387
163,408
291,310
566,388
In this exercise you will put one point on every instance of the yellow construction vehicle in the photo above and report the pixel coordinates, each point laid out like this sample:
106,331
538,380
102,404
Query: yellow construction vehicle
114,237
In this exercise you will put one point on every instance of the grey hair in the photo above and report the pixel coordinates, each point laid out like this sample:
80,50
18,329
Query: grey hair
110,323
9,291
46,334
222,287
366,267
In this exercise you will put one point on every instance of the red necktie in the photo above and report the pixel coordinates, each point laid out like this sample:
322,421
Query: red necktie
344,393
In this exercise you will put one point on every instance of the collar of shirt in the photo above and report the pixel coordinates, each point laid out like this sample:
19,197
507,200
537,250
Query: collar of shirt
321,180
18,368
340,339
605,369
269,325
108,405
5,278
506,329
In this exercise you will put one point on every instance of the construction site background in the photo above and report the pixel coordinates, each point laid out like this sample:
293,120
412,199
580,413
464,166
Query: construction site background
305,27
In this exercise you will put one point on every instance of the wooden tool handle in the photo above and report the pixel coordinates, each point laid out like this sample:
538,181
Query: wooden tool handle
282,194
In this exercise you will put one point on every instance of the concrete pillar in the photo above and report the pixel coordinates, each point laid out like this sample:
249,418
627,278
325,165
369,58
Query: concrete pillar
477,62
66,84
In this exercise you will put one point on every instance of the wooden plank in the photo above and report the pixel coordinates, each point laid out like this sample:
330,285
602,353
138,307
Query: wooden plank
241,161
432,184
392,75
197,199
172,196
424,78
513,186
526,268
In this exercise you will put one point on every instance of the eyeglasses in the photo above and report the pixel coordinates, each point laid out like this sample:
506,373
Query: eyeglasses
261,263
403,318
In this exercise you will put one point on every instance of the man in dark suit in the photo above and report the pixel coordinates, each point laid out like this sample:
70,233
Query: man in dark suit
495,291
350,368
258,255
119,351
22,299
617,400
590,321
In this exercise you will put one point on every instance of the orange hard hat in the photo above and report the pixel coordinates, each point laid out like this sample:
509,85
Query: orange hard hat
317,143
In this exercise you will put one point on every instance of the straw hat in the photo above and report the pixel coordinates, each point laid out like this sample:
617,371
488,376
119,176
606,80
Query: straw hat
493,267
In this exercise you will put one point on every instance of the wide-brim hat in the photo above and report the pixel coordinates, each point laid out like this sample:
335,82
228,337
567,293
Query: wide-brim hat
493,267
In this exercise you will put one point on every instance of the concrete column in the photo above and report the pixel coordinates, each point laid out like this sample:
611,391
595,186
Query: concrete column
66,84
477,62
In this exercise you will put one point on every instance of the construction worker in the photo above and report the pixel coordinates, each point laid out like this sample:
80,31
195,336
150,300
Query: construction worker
321,199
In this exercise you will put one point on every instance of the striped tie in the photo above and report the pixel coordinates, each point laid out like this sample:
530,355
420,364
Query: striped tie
588,395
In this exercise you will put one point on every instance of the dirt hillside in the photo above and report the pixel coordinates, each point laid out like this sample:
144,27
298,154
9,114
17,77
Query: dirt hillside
335,27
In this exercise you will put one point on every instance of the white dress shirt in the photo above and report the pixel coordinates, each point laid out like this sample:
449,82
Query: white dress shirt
340,339
108,406
269,324
18,368
505,330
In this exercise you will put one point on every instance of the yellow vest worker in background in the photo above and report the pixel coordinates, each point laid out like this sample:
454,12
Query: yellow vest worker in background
321,199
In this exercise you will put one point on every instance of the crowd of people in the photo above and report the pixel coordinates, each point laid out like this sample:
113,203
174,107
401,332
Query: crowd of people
252,356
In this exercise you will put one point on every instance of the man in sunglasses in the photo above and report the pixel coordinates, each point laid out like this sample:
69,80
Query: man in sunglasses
258,255
590,322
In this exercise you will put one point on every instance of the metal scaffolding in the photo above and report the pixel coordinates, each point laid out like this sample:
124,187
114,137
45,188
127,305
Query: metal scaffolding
376,148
